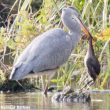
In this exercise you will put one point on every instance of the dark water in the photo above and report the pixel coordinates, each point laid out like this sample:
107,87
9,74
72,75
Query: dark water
36,101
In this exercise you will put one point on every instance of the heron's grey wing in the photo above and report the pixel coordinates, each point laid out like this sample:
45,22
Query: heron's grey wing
47,51
53,52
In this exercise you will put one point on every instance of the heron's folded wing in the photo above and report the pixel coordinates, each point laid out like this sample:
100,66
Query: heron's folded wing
47,51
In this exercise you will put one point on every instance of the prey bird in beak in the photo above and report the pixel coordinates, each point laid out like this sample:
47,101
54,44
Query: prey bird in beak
91,62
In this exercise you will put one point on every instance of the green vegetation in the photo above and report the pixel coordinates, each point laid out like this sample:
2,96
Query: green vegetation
28,22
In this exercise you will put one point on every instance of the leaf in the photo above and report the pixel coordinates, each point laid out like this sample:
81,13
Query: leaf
104,35
11,44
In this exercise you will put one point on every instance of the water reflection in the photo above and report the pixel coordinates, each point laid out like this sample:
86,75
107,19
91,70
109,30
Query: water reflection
33,101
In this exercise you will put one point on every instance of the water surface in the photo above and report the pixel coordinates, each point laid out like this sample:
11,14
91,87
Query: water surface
37,101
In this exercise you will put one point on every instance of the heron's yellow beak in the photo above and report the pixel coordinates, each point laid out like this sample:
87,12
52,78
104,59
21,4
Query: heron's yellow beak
85,30
83,27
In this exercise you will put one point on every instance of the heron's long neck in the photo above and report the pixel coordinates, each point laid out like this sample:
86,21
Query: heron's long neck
75,37
74,29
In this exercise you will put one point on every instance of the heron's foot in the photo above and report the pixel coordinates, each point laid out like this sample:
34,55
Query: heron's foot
46,90
68,95
49,89
45,93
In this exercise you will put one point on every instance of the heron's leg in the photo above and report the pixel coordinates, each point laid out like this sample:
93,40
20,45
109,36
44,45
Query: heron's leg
48,82
46,89
42,81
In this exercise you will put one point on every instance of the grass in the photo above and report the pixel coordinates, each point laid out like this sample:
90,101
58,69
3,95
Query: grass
95,14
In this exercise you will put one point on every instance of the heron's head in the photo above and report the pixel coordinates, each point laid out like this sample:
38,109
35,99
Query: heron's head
73,13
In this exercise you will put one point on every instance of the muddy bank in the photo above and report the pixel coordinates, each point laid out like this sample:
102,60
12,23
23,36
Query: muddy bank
13,86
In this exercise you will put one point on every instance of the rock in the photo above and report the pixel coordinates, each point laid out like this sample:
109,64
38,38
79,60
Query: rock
71,96
56,97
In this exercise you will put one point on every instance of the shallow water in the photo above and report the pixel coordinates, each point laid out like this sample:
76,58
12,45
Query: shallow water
37,101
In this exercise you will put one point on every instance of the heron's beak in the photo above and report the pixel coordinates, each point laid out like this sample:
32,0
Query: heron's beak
83,27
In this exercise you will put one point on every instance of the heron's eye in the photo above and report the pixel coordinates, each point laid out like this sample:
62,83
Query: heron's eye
73,18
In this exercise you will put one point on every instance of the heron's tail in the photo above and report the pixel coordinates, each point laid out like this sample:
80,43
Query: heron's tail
13,73
20,72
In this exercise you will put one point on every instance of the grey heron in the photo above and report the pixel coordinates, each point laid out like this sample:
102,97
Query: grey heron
50,50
